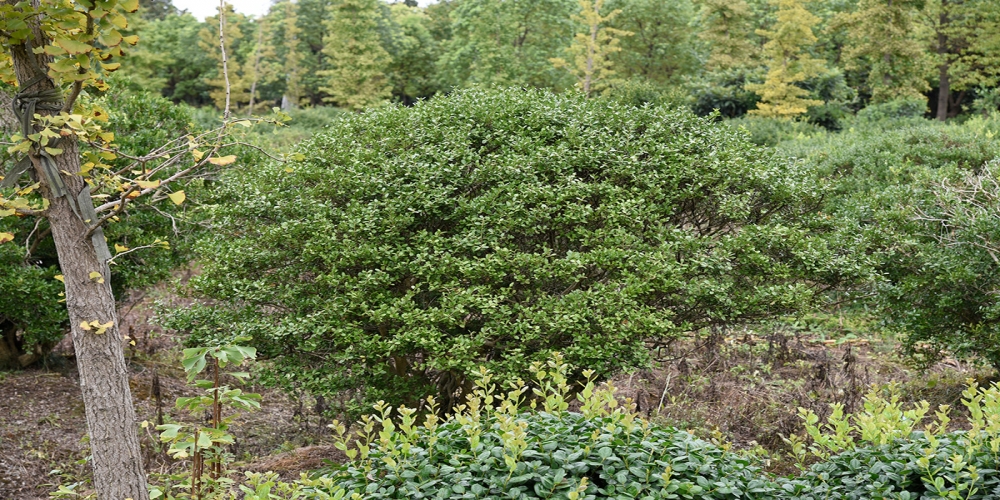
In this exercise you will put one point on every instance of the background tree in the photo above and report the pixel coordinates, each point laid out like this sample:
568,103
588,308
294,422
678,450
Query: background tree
967,47
506,43
788,62
591,49
292,55
886,38
356,61
727,27
261,66
165,63
414,53
239,86
663,49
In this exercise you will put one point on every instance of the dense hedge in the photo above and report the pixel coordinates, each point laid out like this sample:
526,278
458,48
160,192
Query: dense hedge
412,244
921,198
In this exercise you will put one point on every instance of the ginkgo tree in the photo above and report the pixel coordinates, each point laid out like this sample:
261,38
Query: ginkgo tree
55,52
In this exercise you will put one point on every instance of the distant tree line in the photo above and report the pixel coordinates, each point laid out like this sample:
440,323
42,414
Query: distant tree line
782,58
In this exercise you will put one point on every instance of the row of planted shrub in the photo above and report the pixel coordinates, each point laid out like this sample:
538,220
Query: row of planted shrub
522,443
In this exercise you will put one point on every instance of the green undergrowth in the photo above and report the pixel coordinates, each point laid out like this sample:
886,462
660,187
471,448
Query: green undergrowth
542,439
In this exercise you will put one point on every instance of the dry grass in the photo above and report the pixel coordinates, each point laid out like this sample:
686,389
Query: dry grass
746,388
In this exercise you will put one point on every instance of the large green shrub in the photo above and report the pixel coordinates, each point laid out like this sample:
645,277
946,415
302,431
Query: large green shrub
917,198
943,290
412,244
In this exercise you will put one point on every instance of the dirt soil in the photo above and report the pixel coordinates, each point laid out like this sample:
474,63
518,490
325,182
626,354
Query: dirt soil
43,428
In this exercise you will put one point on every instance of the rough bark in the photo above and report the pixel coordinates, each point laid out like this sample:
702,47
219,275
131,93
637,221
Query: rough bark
117,462
8,122
944,83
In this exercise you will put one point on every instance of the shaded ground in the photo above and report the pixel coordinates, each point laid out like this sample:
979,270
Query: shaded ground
43,428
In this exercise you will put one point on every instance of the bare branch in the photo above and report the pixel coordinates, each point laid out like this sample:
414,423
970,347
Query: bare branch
222,46
130,250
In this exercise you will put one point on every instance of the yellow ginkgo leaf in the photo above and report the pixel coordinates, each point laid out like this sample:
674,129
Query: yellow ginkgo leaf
198,155
60,277
85,325
148,184
177,197
222,160
73,46
96,277
120,248
5,237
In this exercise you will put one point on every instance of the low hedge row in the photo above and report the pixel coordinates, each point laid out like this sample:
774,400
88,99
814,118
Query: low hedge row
492,448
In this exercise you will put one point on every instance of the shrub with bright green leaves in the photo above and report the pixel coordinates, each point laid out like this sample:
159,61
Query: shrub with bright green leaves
411,245
880,453
917,198
493,448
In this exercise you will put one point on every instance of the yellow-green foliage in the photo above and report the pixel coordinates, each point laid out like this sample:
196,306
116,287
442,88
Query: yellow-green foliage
356,78
591,49
885,38
788,62
726,26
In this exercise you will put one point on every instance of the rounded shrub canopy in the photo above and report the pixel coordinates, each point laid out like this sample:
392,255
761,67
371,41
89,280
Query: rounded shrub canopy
493,227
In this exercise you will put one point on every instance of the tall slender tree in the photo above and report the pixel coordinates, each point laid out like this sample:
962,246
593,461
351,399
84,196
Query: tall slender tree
591,49
887,39
727,27
293,55
357,62
788,62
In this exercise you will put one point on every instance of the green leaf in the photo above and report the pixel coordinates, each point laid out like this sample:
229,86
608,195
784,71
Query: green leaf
169,431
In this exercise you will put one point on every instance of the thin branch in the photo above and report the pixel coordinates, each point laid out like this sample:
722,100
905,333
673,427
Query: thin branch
173,221
222,46
130,250
27,241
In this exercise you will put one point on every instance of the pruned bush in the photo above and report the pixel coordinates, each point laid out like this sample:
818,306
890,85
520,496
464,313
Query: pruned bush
943,292
921,199
410,245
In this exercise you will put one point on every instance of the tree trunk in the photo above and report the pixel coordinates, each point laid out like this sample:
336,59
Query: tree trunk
944,84
117,462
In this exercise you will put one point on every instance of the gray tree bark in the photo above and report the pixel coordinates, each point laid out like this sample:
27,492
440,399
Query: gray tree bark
117,462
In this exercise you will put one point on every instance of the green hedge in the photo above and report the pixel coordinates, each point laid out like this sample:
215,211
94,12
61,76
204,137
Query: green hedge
492,447
410,245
